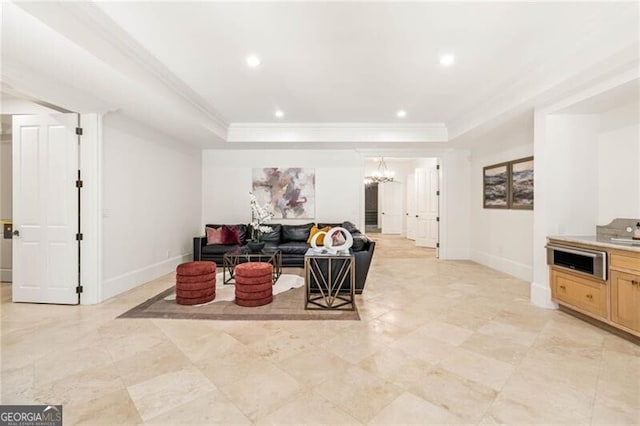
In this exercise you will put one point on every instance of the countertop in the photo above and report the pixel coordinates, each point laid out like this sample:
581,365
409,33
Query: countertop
633,245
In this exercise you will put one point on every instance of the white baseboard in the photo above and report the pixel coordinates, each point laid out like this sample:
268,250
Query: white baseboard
517,269
6,275
453,253
541,296
125,282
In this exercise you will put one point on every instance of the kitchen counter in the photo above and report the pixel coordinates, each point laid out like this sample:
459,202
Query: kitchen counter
632,245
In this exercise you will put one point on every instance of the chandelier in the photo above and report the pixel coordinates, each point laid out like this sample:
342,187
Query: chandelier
381,175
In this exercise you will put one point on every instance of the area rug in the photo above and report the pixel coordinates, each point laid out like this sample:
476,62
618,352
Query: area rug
287,305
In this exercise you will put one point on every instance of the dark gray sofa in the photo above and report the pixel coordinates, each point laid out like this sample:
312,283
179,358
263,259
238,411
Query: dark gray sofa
292,242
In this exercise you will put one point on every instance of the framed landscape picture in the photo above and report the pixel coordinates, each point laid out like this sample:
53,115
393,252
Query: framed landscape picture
496,186
521,184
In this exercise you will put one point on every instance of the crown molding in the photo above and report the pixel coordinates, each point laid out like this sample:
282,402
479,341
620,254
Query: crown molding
92,29
337,132
535,90
48,92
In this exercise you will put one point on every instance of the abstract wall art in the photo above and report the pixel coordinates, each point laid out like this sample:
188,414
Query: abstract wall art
290,191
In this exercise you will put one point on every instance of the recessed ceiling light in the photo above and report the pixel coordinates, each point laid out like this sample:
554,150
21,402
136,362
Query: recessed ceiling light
401,113
279,114
447,60
253,61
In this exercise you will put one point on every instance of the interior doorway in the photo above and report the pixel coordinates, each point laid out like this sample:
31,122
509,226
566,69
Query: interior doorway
40,184
6,179
46,208
402,197
371,208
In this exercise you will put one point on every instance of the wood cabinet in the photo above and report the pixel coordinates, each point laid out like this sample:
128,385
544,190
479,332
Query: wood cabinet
625,290
586,295
615,301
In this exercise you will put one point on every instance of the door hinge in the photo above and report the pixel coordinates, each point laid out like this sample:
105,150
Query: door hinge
438,219
437,245
79,289
437,192
79,236
79,131
78,183
438,167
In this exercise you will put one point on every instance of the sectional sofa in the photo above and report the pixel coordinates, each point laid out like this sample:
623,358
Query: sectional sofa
292,242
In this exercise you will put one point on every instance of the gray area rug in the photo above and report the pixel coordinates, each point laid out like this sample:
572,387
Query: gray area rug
286,306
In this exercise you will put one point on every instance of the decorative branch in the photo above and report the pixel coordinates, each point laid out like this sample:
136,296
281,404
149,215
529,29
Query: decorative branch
260,214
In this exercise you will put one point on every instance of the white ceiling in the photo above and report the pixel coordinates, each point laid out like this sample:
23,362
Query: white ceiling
180,66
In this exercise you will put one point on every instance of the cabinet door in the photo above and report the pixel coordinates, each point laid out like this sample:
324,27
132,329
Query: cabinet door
583,294
625,299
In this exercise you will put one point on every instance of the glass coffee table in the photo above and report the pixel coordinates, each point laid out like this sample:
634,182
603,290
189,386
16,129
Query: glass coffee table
242,255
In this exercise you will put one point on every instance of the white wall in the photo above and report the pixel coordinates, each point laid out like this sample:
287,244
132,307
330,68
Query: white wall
573,177
566,187
151,201
618,164
226,182
500,238
454,205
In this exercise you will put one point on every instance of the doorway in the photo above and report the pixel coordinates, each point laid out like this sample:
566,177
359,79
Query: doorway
42,243
405,194
6,250
371,208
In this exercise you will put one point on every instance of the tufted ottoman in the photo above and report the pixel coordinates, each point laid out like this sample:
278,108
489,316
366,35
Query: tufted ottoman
195,283
254,284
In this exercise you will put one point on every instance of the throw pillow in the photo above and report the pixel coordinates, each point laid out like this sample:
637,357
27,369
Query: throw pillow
214,236
314,231
230,235
338,239
349,226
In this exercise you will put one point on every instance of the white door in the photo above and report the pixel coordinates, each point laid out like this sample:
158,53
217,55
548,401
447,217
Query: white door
432,194
45,208
412,221
427,181
391,208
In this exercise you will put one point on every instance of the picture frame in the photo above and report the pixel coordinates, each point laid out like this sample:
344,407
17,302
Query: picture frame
495,186
521,184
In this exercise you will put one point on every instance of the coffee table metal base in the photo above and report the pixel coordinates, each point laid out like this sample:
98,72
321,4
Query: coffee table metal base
235,257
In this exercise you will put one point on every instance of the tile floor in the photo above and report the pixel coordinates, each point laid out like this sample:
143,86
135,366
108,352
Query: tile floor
439,343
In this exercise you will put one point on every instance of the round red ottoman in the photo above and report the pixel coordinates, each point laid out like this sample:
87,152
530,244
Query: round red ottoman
195,283
254,284
196,268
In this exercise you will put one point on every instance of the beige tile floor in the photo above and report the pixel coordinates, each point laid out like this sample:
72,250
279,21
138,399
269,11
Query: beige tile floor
439,343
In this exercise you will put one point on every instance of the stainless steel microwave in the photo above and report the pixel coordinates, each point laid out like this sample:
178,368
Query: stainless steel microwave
588,262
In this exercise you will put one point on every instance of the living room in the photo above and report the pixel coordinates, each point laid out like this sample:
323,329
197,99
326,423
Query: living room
168,148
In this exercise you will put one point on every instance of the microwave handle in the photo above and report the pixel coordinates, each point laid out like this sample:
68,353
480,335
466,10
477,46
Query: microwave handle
566,250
